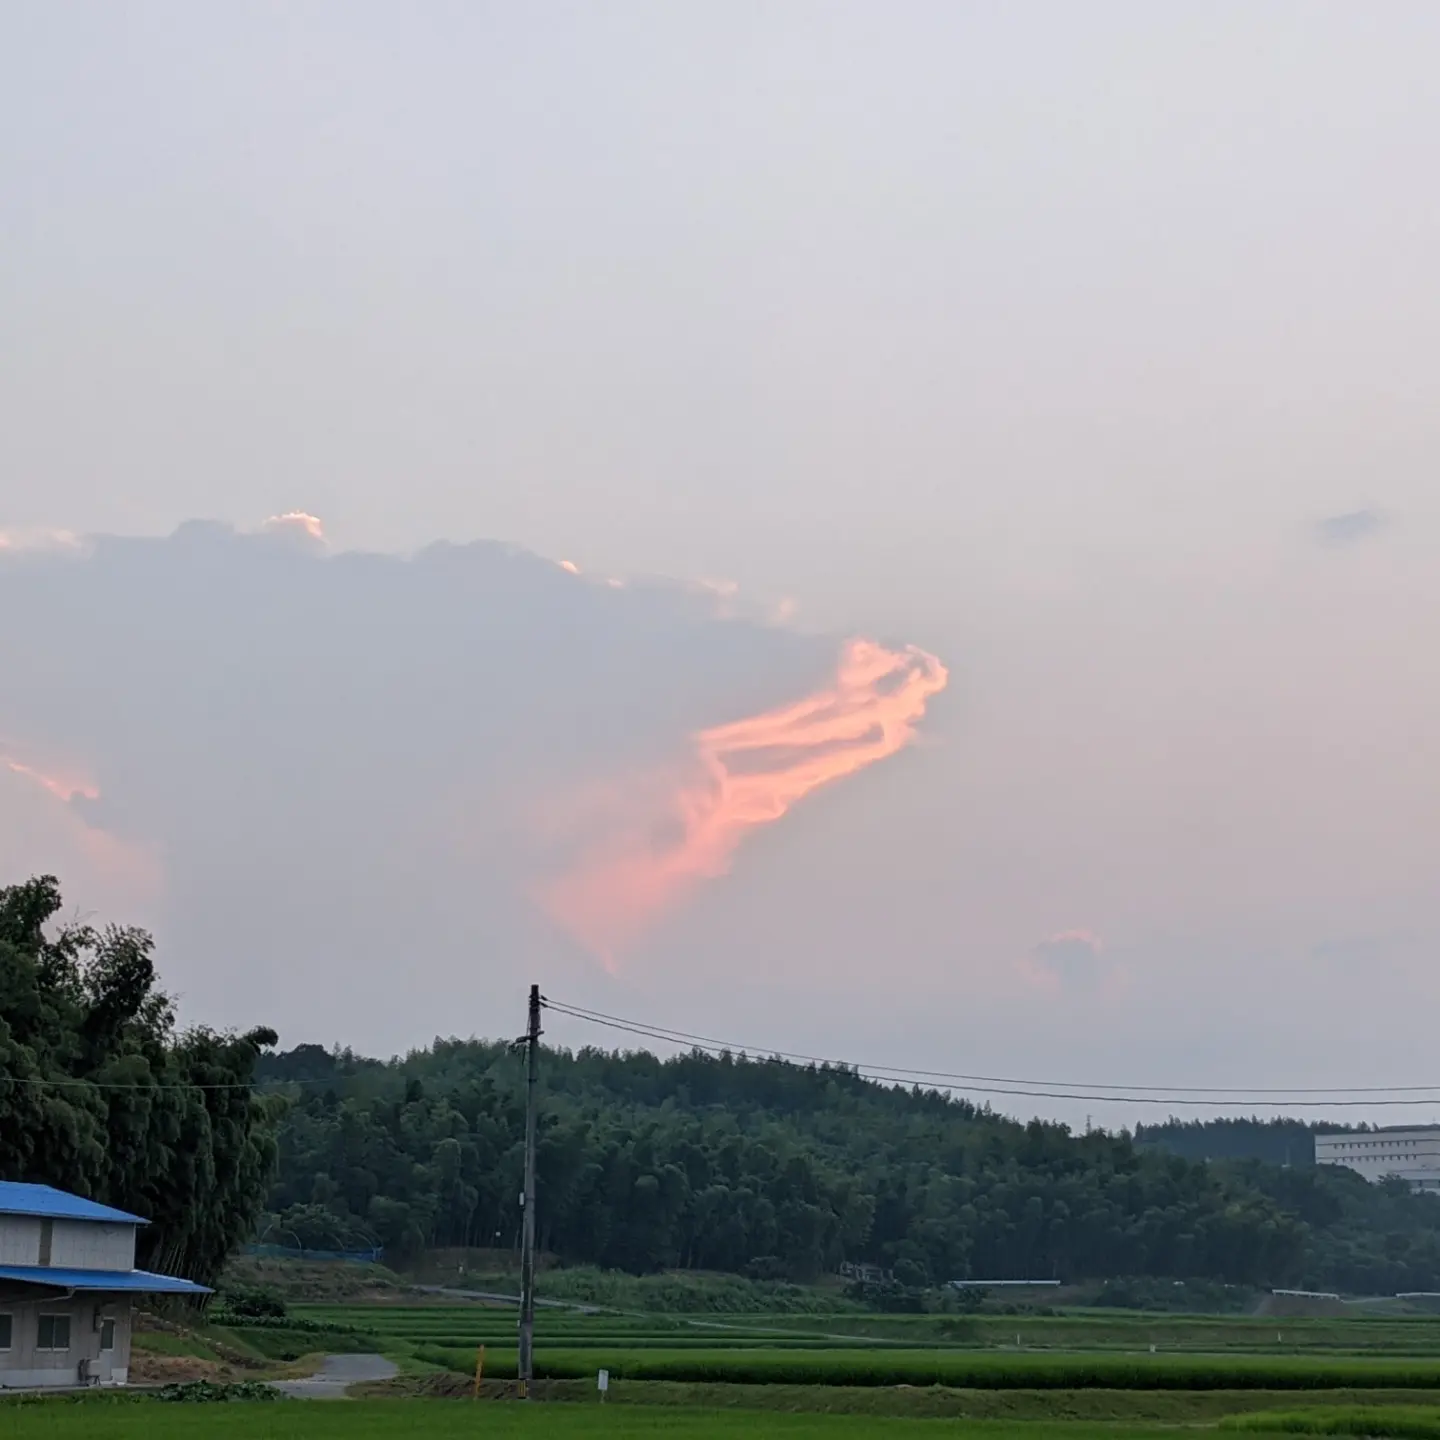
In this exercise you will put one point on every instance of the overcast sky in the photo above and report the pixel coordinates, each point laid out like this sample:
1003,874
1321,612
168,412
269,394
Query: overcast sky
1094,349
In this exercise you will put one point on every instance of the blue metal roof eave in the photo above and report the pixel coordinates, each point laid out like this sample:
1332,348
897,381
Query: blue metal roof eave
134,1281
47,1203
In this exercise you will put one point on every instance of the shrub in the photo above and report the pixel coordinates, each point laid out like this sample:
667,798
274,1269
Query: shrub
253,1302
205,1392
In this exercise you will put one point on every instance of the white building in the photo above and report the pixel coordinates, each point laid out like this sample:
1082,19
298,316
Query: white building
1413,1155
67,1284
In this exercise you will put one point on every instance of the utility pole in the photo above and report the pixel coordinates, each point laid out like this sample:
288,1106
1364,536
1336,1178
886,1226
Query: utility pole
526,1368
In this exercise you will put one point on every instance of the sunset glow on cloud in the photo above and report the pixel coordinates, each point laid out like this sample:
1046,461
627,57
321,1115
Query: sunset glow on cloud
658,836
46,540
97,856
61,786
297,521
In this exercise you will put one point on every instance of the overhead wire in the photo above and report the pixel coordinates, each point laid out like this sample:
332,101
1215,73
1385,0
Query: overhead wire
1217,1097
1097,1092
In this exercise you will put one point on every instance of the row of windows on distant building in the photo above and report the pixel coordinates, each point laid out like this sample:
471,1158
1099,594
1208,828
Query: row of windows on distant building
1396,1145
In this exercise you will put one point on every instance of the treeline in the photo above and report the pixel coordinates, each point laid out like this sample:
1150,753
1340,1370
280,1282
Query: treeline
1360,1237
743,1165
100,1095
1277,1141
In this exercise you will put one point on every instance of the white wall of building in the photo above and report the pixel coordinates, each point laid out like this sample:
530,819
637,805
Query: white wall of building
24,1365
1413,1155
89,1245
74,1244
19,1240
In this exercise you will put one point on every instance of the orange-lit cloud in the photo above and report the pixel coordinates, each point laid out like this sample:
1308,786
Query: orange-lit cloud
297,521
62,786
106,862
47,540
660,834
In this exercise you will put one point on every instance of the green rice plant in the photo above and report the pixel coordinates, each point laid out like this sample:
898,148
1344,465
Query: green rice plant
971,1370
1370,1420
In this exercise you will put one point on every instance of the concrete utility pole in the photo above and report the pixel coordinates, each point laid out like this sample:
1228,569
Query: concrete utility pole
526,1368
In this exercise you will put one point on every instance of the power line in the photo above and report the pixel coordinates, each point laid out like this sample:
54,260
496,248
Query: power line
579,1011
1037,1089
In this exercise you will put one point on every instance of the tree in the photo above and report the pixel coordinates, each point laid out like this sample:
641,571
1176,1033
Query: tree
100,1095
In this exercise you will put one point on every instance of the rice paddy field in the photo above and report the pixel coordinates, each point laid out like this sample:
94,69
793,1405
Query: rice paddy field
1068,1376
1059,1375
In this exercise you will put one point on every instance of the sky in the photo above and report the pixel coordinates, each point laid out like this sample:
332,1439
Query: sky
1090,351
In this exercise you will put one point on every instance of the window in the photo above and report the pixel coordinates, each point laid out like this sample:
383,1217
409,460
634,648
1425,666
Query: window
7,1326
47,1240
54,1333
107,1334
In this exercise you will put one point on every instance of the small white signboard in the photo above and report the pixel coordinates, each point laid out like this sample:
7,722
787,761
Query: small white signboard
602,1381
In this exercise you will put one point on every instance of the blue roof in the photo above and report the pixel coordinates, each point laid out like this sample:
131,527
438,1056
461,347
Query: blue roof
141,1280
49,1203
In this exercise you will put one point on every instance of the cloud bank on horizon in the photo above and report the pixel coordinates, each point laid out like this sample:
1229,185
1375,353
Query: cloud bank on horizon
292,755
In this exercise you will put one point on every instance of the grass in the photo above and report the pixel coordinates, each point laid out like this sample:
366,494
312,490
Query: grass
397,1420
686,1292
273,1343
1422,1423
1123,1407
162,1342
313,1280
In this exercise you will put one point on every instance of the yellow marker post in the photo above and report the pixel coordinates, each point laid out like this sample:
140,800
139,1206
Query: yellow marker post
479,1369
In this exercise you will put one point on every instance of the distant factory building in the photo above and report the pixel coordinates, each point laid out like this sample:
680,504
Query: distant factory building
1412,1155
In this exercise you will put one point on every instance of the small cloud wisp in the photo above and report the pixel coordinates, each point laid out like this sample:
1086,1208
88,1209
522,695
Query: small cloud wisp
1351,528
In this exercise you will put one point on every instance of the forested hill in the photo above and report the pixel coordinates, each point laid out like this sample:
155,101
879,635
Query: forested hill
767,1168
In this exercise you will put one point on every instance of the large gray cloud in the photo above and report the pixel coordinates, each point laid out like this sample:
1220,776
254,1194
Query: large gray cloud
332,760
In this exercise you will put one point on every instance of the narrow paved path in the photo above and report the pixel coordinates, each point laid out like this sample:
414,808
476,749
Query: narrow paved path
335,1375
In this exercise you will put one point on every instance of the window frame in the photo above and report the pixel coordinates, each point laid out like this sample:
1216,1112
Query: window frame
107,1323
54,1317
7,1334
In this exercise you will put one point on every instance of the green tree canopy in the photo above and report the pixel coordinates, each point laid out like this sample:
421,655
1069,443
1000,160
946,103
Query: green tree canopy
726,1163
101,1095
